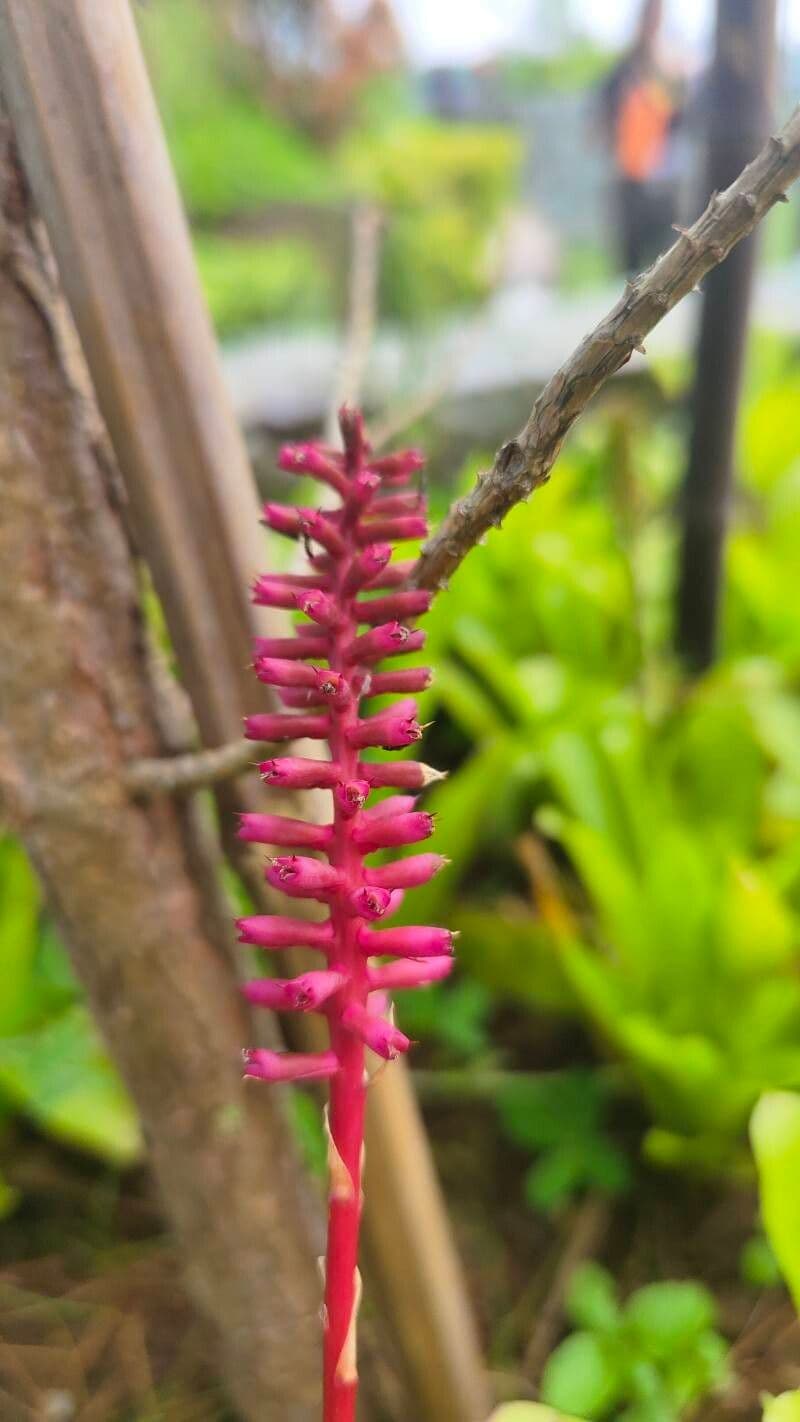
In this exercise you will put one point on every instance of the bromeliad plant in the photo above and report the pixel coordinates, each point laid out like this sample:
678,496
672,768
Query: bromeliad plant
322,674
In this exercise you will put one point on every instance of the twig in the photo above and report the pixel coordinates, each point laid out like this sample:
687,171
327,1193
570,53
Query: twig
524,463
586,1229
166,774
361,312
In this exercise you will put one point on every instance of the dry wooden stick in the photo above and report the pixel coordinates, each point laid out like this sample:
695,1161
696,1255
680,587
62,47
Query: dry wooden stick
362,300
524,463
166,774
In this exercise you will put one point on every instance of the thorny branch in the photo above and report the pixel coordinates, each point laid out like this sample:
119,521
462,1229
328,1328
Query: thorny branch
524,463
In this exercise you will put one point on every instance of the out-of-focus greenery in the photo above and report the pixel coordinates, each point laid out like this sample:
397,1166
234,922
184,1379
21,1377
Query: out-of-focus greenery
250,282
442,187
775,1135
649,1360
659,818
53,1068
231,154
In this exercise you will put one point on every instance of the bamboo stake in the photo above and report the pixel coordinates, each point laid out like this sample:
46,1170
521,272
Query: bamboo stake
94,152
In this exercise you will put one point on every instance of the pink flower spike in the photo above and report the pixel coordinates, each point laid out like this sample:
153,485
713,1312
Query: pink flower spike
375,1032
399,774
289,1066
282,519
277,727
404,679
392,729
278,830
412,603
393,830
408,942
400,465
273,931
391,530
387,640
304,994
304,644
406,873
317,605
350,796
303,878
296,773
409,973
310,459
366,566
370,903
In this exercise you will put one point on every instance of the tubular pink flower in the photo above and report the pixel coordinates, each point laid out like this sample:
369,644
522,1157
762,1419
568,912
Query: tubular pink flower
392,830
321,674
367,566
412,603
408,942
289,1066
295,773
406,873
390,729
391,530
375,1032
303,878
370,903
388,640
266,726
409,973
273,931
291,834
350,796
304,994
305,644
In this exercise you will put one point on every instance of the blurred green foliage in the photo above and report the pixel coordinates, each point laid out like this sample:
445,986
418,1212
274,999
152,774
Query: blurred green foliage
659,818
775,1135
442,187
648,1360
53,1069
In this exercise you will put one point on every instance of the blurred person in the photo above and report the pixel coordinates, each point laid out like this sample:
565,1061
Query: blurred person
640,111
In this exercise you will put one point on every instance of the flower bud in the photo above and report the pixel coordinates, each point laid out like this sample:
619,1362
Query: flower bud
350,796
304,994
394,728
408,942
406,873
297,773
274,931
303,878
277,727
277,829
370,903
289,1066
412,603
392,830
391,530
376,1033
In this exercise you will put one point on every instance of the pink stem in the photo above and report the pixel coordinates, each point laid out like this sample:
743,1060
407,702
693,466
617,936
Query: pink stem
347,1089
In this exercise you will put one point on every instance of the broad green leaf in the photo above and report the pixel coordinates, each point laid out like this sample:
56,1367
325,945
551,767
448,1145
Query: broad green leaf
59,1075
783,1408
591,1299
669,1316
759,934
19,914
538,1412
582,1377
775,1137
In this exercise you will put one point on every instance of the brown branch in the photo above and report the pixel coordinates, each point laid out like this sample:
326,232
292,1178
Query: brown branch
166,774
524,463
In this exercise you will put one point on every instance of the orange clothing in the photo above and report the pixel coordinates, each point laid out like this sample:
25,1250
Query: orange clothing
642,129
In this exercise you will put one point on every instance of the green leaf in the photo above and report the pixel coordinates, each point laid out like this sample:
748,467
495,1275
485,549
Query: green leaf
758,1266
513,955
591,1299
666,1317
59,1075
19,914
783,1408
538,1412
775,1137
582,1377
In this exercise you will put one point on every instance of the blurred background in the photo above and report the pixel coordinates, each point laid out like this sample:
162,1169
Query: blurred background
616,696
